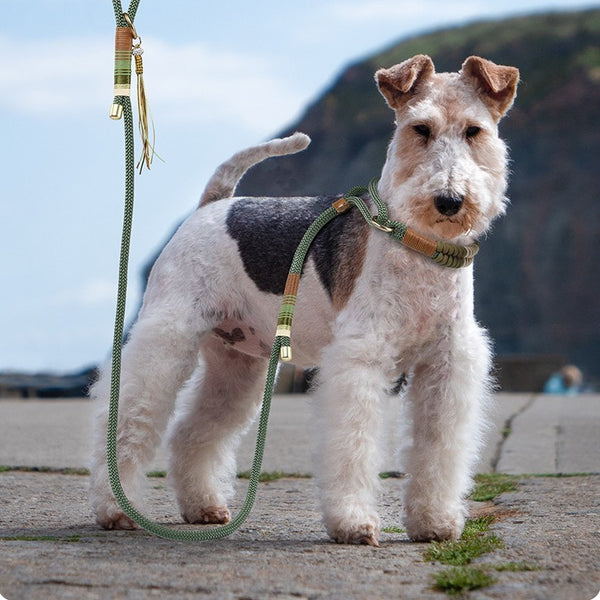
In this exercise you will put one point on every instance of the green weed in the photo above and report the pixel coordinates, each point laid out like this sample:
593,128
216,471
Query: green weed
159,474
393,529
42,469
490,485
463,551
458,580
40,538
516,567
274,475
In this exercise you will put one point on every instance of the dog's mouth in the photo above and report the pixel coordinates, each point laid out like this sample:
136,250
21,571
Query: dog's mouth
453,227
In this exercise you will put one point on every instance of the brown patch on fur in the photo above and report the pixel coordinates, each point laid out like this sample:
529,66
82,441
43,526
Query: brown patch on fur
349,262
409,154
237,335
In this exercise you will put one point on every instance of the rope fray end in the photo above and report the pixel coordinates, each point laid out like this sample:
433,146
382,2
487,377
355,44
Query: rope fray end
144,113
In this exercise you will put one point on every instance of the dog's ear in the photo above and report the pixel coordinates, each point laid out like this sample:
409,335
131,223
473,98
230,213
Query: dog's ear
400,82
495,84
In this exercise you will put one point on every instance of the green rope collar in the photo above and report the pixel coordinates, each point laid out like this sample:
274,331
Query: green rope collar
443,253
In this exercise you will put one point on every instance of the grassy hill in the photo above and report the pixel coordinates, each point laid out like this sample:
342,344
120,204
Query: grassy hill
538,275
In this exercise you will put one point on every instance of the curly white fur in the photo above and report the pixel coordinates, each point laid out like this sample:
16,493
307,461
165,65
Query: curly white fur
402,314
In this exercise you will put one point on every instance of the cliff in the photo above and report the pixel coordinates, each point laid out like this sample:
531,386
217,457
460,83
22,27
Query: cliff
538,279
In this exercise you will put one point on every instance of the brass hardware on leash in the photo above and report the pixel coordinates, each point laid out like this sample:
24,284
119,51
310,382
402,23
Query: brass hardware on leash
130,24
380,226
341,205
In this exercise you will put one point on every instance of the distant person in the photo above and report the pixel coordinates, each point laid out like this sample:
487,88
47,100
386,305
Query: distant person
567,381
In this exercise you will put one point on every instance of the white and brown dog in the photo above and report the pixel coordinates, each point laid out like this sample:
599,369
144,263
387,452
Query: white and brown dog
368,309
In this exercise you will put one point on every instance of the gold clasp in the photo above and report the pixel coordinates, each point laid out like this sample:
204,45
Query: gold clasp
380,226
129,22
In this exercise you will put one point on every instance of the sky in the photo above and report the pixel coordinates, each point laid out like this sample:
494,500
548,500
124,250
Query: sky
220,76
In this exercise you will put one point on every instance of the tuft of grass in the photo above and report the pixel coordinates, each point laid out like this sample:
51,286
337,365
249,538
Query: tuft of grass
474,542
392,475
393,529
159,474
274,475
558,475
490,485
463,551
40,538
42,469
458,580
516,567
476,527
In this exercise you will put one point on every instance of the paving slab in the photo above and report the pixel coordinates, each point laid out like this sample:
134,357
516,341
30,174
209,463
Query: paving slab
554,434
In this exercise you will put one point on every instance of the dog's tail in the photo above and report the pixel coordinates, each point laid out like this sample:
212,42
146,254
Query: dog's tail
225,179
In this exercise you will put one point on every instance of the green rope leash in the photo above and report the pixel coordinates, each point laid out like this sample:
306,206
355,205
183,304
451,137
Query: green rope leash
122,107
441,252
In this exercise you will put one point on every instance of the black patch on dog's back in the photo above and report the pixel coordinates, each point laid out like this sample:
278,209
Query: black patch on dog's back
268,231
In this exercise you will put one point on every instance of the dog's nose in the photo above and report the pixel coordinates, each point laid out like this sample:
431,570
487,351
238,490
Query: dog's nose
448,205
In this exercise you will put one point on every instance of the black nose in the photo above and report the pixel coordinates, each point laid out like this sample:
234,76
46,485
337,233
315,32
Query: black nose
448,205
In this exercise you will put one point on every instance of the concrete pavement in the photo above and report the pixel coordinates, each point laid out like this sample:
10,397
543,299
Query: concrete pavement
50,547
529,434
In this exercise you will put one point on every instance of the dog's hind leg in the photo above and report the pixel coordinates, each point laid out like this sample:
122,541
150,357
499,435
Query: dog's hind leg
156,361
213,410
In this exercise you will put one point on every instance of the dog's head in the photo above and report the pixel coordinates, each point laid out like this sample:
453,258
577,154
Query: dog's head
446,171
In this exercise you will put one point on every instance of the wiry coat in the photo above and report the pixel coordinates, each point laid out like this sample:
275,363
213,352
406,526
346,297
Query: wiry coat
368,310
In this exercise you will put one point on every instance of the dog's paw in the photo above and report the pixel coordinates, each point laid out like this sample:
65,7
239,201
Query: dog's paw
364,532
428,529
114,518
207,515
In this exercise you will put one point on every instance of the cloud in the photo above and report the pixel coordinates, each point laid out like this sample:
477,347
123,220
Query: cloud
188,82
406,13
92,293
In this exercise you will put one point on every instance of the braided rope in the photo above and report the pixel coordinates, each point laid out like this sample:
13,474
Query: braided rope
113,416
286,313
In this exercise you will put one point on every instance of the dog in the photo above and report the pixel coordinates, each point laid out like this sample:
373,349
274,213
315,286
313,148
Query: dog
368,310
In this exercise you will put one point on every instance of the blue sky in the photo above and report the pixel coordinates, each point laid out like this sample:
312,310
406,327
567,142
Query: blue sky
219,76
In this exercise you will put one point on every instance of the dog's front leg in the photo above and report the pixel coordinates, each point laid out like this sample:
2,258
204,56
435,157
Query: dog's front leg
348,413
447,397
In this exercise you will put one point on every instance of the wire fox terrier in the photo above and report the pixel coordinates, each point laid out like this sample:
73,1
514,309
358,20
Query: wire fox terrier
368,309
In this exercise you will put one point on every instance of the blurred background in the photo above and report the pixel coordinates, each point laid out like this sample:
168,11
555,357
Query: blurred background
223,76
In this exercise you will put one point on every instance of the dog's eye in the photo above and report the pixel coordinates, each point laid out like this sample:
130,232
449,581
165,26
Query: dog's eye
472,131
423,131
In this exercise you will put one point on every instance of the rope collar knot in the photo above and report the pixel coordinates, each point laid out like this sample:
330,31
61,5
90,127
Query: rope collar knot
442,253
